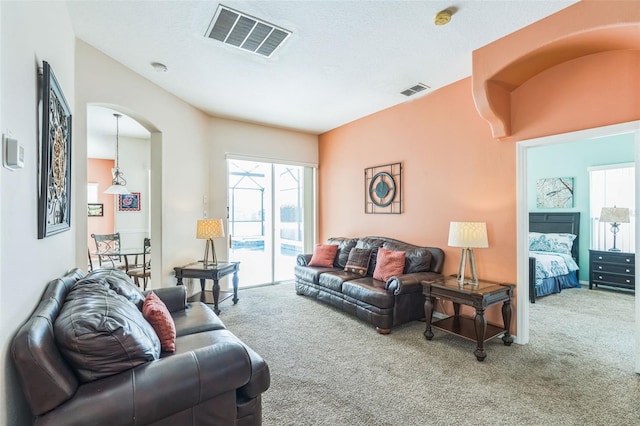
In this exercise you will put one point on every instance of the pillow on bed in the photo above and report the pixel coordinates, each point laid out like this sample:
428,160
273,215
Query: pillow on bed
553,243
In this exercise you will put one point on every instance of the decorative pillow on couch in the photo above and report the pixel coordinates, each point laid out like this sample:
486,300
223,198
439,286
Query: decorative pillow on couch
155,311
101,333
323,255
389,264
118,281
550,242
358,261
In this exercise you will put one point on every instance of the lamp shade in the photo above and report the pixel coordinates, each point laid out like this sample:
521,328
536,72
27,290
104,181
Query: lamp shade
117,188
468,234
209,229
614,214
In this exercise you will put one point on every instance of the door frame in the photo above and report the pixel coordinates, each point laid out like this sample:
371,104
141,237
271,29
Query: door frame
522,218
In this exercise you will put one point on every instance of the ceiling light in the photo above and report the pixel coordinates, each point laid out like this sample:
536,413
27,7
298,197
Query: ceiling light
443,17
159,67
118,183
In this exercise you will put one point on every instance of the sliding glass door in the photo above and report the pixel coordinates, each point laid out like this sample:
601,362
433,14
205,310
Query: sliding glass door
268,222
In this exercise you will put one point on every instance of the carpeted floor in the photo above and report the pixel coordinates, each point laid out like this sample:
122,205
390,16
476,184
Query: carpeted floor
329,368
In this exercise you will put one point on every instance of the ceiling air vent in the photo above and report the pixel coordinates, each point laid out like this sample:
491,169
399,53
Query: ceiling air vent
245,32
415,89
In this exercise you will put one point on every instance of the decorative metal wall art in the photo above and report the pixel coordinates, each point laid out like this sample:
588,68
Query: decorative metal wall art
383,189
54,195
554,193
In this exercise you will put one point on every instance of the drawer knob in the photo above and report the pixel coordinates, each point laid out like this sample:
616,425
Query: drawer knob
599,267
599,257
628,281
628,260
599,277
628,270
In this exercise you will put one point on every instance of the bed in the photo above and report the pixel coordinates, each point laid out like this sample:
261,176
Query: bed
553,253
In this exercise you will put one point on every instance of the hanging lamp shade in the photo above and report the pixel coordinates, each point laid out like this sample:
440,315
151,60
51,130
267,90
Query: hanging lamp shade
118,182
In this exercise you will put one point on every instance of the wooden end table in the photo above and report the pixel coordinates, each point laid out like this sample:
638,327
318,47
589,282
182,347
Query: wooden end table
211,272
482,296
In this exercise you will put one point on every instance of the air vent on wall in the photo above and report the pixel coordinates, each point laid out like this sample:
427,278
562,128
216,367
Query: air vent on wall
245,32
415,89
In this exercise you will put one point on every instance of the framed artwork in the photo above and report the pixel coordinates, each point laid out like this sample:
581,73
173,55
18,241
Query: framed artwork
553,193
94,209
129,202
383,189
54,192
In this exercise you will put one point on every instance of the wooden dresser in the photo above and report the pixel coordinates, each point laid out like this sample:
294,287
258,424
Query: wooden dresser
612,268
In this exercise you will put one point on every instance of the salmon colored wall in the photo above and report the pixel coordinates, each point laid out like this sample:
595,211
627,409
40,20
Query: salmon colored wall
592,91
100,171
454,170
585,28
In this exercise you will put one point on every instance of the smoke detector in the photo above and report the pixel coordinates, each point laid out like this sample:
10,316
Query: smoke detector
443,17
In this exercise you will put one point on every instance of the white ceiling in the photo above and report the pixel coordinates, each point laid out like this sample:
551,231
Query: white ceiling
344,59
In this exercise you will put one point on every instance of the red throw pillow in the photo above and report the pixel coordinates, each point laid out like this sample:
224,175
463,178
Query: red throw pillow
156,313
324,255
389,264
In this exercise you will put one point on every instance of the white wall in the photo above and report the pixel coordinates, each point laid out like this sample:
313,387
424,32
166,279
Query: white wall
30,32
135,163
178,168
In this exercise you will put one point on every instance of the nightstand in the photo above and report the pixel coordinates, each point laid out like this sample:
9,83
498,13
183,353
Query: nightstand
612,268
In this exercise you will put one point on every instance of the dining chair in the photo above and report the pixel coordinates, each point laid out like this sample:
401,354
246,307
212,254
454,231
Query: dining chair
143,272
108,250
90,263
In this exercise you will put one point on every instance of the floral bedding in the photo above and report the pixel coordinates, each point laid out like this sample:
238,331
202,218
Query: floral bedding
552,264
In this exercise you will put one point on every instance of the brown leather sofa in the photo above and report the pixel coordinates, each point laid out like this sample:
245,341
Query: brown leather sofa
383,304
212,378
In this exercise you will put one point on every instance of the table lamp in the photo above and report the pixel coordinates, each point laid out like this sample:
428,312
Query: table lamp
208,229
616,216
468,235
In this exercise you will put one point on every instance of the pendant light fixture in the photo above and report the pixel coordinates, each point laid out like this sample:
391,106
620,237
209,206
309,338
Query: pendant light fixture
118,183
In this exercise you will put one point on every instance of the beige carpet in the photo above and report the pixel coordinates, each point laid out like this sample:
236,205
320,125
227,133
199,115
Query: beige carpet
329,368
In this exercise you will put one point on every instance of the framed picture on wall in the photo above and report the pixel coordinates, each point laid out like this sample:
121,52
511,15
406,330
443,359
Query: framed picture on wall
54,192
95,209
554,193
129,202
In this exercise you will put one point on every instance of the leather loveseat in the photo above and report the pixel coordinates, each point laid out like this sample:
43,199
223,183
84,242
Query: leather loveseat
384,304
212,378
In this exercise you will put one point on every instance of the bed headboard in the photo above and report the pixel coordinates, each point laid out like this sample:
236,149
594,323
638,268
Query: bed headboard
568,223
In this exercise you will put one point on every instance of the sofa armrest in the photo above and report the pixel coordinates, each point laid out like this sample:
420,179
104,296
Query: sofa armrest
174,297
409,283
157,389
303,259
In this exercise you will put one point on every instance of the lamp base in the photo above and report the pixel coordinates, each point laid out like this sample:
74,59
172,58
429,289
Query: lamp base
205,261
473,280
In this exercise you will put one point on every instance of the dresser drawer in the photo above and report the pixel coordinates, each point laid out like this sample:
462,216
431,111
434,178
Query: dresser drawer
626,258
614,268
613,279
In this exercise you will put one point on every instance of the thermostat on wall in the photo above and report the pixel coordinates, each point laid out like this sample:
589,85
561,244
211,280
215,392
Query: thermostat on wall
13,153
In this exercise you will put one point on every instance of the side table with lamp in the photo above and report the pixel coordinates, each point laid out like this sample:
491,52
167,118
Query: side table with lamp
612,267
476,293
210,269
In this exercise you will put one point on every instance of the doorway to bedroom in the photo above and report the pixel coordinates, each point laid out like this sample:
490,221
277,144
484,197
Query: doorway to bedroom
527,150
